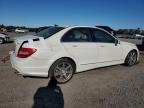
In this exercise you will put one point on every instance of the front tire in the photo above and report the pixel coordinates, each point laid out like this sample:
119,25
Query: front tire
131,58
62,70
1,41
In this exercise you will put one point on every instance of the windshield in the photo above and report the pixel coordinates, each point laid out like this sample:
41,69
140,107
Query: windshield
46,33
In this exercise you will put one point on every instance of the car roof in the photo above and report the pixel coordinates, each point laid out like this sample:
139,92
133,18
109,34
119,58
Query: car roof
66,28
71,27
106,28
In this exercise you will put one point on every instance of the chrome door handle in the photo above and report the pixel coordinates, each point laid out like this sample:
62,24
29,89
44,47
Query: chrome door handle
102,46
74,46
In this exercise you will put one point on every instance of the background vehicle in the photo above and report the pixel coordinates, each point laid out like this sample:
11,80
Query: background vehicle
3,38
60,52
21,31
108,29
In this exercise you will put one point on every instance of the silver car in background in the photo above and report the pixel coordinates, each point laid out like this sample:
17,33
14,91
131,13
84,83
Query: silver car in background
3,38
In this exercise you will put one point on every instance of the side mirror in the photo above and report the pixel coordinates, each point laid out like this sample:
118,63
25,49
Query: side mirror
117,42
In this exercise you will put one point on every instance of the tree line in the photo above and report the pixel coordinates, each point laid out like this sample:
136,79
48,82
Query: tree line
130,31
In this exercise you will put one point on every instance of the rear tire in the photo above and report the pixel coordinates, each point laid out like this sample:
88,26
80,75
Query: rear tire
62,70
131,58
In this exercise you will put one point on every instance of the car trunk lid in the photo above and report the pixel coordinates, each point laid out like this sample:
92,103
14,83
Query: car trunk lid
30,40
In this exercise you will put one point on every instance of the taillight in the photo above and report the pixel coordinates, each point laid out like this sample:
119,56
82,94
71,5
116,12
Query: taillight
26,52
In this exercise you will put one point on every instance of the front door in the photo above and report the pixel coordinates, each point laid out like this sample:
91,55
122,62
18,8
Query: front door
108,51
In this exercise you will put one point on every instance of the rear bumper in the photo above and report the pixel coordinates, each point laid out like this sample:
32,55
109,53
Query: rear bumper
27,70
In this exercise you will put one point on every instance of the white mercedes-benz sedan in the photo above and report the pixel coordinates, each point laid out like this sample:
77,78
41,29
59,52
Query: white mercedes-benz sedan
60,52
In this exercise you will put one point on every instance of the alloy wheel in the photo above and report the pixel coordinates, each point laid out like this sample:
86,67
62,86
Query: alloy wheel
63,72
132,58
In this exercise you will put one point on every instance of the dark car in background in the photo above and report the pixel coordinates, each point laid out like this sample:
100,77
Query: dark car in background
108,29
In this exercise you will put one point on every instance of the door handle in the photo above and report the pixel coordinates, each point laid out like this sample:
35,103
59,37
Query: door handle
102,46
74,46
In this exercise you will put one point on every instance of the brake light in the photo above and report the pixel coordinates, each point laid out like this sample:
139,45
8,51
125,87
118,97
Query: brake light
26,52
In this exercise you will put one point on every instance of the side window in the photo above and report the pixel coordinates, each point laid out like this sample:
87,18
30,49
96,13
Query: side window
77,35
101,36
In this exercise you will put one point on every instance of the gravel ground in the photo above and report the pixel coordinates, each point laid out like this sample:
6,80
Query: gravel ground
110,87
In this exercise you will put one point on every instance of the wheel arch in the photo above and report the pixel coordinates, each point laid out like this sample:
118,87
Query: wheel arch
54,61
130,51
69,58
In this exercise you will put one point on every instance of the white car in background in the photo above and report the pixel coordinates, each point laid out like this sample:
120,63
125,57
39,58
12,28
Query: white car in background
3,38
21,30
60,52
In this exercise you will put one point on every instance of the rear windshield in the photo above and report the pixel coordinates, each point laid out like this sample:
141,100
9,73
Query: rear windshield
46,33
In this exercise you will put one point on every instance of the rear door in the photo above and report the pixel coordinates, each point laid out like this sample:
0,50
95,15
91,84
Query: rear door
78,43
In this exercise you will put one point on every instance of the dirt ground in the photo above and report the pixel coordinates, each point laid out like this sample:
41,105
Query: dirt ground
110,87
